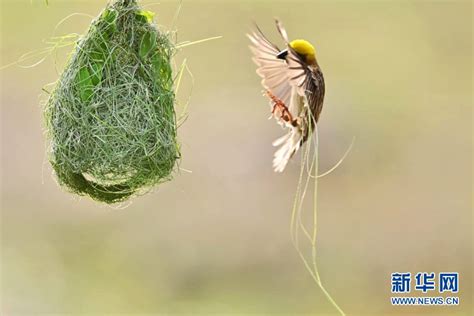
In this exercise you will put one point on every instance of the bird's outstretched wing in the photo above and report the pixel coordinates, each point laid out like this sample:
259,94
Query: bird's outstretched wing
273,71
288,84
279,76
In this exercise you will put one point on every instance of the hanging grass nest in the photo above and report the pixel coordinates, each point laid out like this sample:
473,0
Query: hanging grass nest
111,117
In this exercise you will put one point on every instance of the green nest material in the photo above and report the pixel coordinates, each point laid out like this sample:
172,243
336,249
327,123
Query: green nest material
111,117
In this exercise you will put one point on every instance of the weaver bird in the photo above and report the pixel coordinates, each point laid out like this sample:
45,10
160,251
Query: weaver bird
293,81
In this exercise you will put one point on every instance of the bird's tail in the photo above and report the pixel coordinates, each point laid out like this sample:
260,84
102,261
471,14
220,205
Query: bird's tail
289,145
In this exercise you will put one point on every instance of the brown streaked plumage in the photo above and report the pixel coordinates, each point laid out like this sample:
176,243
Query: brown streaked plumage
294,82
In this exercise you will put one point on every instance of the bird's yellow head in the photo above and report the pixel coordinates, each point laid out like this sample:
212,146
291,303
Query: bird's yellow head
305,50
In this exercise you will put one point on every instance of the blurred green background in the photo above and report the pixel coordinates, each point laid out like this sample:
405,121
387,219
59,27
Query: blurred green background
216,241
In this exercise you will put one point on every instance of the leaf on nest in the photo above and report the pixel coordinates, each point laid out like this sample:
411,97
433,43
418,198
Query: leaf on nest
84,84
96,70
148,15
148,43
110,18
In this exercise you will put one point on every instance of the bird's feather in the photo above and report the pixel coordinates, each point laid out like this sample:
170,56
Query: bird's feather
273,71
298,86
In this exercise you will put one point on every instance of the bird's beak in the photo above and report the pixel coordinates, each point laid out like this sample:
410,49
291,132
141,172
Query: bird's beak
282,54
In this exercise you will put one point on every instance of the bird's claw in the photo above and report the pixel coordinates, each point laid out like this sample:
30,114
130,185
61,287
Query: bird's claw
280,109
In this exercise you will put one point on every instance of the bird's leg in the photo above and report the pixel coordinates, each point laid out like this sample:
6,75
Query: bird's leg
280,109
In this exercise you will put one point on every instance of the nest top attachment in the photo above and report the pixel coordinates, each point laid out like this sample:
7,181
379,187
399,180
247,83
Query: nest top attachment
111,117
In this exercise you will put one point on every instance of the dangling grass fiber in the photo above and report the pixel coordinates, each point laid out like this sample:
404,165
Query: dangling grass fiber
310,170
111,118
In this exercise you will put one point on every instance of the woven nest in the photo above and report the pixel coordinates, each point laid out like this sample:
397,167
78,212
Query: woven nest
111,117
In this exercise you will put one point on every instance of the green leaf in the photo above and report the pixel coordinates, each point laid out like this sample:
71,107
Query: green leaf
156,62
84,84
148,15
148,43
110,18
96,73
97,56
